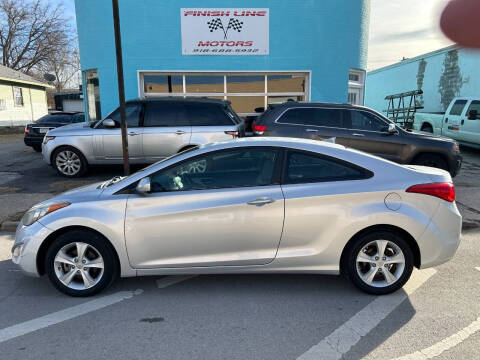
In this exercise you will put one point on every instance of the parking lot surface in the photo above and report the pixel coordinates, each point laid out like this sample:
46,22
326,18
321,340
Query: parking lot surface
436,315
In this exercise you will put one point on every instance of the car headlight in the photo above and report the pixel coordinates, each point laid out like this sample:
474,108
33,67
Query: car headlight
39,211
47,138
456,148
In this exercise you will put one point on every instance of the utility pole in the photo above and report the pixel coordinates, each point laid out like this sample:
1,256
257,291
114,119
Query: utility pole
121,86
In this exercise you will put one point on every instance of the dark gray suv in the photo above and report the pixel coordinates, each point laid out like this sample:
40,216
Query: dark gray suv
359,128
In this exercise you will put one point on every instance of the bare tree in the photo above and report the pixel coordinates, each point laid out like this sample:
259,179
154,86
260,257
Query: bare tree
30,32
65,65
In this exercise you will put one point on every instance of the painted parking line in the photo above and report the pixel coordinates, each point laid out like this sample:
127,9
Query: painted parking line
171,280
338,343
445,344
64,315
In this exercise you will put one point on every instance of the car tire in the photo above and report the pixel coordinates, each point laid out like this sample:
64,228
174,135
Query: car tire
431,160
371,278
78,164
80,275
37,148
427,128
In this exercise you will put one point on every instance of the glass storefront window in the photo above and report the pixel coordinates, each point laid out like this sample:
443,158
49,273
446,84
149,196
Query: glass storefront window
285,83
204,84
246,83
163,83
282,99
93,94
246,104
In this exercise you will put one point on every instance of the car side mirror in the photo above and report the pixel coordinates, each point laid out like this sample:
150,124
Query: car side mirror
392,128
144,186
473,115
109,123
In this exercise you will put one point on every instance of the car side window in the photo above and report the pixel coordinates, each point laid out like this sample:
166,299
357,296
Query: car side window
241,167
207,115
133,113
298,116
475,105
304,167
78,118
457,107
362,120
165,114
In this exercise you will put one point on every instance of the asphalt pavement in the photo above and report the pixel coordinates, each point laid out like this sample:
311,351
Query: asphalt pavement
436,315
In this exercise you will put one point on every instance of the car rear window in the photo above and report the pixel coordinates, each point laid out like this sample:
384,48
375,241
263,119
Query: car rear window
305,167
56,119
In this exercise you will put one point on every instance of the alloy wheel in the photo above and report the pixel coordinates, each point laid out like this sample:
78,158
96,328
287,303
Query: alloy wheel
380,263
68,162
79,266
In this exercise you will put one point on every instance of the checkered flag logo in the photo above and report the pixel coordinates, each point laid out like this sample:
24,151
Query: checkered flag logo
216,24
235,24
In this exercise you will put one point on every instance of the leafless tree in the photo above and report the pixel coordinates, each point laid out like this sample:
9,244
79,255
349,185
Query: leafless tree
65,65
30,32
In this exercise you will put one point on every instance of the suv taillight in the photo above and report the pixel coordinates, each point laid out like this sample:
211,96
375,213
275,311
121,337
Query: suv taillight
233,133
27,131
445,191
259,129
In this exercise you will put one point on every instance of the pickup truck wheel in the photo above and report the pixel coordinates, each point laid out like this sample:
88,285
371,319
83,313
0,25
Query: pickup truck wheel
431,160
427,128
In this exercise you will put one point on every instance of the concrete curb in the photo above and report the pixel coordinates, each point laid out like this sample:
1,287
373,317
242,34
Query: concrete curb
9,226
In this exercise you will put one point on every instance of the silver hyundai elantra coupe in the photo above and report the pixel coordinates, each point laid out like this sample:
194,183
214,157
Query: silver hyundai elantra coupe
253,205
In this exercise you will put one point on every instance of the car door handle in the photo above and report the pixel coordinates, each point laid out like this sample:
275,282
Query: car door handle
463,121
311,130
180,132
357,134
446,120
261,201
133,134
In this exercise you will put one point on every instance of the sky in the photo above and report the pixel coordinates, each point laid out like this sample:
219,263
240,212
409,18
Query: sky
398,29
403,28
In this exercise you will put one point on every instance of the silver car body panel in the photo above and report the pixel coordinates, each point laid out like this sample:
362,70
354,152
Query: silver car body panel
145,144
213,231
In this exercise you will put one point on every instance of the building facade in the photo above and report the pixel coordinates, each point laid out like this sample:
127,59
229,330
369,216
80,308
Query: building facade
250,52
22,98
442,75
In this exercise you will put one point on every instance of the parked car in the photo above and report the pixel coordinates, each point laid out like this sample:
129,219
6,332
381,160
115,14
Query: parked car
157,128
359,128
461,121
35,131
251,205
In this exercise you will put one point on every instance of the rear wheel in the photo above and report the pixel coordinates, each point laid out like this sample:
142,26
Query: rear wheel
69,162
427,128
432,160
379,263
80,263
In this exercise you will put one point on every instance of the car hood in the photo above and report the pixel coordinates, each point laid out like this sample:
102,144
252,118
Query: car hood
80,194
427,135
79,129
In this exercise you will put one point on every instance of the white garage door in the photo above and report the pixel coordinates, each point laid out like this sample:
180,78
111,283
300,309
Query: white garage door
72,105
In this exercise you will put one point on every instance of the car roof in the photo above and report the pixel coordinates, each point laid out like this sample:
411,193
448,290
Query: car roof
296,104
66,113
181,99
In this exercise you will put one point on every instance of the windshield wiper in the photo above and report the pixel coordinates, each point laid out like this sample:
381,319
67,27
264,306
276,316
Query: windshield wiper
112,181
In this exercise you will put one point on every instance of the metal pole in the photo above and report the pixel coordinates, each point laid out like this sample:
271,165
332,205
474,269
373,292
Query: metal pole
121,86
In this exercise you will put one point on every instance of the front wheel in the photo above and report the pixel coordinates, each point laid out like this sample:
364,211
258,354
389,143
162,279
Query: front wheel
379,263
80,263
69,162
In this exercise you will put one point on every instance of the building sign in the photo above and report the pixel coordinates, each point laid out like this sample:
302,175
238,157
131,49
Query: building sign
223,31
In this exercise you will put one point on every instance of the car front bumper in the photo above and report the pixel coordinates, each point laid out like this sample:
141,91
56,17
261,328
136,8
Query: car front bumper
27,243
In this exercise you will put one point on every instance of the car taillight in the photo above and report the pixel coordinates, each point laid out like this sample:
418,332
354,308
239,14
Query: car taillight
445,191
26,130
259,129
233,133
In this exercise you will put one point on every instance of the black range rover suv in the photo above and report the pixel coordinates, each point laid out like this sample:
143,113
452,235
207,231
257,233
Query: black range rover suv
360,128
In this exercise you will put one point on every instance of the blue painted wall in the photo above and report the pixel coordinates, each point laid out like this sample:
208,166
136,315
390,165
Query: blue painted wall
445,73
328,37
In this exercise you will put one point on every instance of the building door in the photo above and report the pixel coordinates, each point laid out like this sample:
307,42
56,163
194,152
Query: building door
354,96
356,86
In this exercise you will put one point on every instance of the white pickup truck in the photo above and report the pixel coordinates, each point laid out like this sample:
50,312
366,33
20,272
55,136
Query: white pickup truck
461,121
